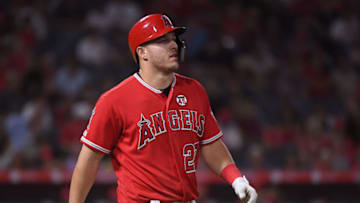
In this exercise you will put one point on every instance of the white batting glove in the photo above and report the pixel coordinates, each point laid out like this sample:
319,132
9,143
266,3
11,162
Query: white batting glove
243,189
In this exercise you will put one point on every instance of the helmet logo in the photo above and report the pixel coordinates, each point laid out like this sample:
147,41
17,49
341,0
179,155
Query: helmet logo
166,20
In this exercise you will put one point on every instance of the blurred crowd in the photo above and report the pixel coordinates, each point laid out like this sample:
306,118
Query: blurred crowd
282,76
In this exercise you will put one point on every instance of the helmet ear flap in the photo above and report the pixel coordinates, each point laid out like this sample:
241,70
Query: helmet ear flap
181,48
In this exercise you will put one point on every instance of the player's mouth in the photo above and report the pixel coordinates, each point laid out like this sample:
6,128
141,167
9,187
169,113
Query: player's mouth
174,56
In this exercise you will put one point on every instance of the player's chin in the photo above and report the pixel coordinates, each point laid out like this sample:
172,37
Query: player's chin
174,66
172,69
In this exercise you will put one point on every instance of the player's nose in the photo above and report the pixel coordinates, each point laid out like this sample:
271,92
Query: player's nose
173,45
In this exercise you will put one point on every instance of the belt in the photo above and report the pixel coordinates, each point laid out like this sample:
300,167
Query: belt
158,201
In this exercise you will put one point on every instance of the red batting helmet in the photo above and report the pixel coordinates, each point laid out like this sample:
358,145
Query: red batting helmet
151,27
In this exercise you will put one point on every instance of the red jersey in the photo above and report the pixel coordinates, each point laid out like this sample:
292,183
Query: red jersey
153,139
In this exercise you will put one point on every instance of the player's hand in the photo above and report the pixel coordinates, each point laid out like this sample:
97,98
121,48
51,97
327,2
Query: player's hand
243,190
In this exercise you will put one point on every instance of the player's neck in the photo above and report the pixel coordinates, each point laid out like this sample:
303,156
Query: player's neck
157,80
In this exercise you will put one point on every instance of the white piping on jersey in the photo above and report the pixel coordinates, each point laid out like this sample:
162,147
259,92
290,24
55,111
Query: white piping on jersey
136,75
106,151
211,139
173,82
158,201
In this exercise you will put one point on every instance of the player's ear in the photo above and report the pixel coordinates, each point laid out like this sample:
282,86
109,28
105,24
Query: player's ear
142,53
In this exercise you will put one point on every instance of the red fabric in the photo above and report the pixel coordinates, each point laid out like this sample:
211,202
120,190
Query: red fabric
154,140
230,173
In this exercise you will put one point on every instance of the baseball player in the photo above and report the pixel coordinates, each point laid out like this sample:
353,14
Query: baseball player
154,125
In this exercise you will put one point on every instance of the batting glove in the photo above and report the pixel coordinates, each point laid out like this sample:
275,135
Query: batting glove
243,189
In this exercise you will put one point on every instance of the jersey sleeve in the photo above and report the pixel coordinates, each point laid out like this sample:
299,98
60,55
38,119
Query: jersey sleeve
212,131
103,128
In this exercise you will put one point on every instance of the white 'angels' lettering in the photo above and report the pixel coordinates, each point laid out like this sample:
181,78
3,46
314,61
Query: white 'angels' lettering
173,120
187,120
159,123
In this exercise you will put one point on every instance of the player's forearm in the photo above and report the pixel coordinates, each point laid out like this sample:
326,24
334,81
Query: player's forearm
219,160
81,183
84,175
216,156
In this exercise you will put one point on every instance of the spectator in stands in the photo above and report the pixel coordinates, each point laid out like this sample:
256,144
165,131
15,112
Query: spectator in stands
92,50
71,78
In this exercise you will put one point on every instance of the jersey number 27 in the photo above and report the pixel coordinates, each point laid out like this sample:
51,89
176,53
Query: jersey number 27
190,157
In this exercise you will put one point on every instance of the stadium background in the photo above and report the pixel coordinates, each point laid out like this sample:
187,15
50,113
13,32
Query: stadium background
282,76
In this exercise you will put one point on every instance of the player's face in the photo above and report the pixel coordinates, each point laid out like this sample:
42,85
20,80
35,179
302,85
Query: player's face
163,53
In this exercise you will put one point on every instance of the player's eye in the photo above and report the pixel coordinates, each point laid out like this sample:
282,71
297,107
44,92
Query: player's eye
163,40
